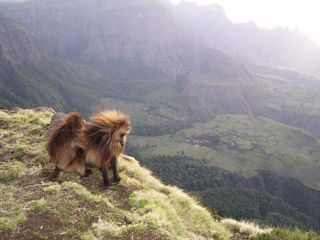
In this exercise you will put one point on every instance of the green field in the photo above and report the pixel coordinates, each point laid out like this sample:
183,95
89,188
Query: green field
243,146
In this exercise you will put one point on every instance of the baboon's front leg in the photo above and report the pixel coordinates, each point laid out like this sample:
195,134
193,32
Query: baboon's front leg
104,171
114,166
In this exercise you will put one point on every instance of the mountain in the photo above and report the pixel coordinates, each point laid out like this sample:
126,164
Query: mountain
159,54
103,34
137,40
31,78
247,42
281,62
143,49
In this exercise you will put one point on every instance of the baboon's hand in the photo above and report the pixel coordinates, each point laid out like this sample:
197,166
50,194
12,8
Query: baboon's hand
88,172
117,179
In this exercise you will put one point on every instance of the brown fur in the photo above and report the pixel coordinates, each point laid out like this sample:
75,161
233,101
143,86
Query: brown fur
105,138
65,146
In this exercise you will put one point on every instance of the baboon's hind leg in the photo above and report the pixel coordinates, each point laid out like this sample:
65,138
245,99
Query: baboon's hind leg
78,164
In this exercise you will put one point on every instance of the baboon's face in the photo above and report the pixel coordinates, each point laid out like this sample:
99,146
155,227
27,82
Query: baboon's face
122,138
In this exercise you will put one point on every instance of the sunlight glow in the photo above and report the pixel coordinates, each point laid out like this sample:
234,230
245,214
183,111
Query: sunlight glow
301,14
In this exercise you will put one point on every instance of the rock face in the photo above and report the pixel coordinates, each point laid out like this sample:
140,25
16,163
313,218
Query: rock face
56,120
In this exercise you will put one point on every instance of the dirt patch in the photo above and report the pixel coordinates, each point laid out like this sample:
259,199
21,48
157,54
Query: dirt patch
29,193
37,226
4,124
240,236
119,195
2,157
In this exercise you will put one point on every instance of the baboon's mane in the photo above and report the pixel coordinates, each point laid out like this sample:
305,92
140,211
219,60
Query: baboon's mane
100,132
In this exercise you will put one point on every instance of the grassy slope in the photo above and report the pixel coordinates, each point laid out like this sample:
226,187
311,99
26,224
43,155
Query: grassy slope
270,199
244,145
140,207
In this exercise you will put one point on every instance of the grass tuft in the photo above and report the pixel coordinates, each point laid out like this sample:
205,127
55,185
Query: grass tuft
54,188
85,194
248,228
39,205
11,212
11,170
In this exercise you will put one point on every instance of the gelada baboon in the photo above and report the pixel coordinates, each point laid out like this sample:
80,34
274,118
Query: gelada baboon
66,147
105,137
98,143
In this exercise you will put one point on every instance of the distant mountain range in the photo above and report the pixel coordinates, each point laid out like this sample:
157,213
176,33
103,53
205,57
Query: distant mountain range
172,68
247,42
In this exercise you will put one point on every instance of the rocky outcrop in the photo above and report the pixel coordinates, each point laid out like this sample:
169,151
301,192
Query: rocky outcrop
308,122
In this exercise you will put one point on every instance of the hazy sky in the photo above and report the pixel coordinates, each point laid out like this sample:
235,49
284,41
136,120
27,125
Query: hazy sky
302,14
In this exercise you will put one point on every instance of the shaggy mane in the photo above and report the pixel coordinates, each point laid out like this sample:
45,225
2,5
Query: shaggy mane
99,133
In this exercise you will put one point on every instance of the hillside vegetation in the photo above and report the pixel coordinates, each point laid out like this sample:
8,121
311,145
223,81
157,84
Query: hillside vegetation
140,207
242,145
